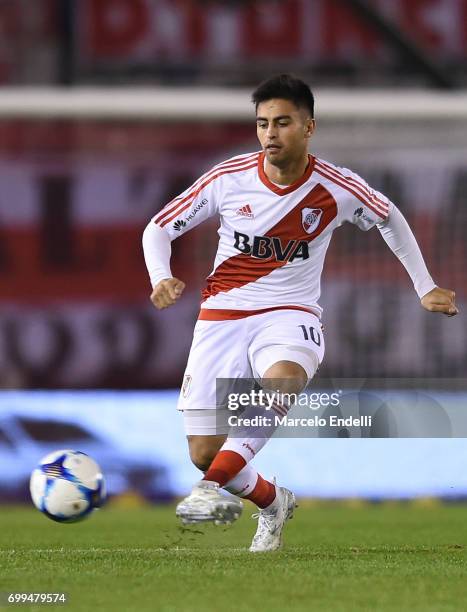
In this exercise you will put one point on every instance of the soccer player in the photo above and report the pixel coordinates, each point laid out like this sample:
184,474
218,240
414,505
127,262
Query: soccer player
260,316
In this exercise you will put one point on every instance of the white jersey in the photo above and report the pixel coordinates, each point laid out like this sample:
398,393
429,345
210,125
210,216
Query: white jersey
272,239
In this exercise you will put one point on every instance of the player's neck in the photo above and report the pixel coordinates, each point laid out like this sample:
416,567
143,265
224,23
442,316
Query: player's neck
288,174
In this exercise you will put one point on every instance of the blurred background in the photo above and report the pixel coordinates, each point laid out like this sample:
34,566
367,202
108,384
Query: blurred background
110,108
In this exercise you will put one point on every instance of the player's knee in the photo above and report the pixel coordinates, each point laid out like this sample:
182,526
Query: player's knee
288,377
203,449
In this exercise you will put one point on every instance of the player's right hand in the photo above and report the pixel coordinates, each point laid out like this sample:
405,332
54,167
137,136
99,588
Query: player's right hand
440,300
167,292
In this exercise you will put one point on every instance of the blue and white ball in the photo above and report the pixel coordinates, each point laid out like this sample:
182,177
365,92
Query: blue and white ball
67,486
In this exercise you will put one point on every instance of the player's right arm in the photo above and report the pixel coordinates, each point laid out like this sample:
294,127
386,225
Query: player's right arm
166,289
167,292
185,212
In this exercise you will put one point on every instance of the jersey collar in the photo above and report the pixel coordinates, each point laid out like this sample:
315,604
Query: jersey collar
285,190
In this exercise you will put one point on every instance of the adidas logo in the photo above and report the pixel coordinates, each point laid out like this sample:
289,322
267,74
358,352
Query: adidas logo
179,224
245,211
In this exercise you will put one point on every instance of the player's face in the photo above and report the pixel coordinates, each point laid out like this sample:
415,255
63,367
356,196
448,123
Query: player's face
283,131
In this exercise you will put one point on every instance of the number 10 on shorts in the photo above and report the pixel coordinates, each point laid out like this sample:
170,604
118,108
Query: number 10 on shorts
310,333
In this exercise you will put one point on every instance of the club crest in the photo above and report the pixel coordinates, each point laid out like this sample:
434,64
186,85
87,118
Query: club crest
186,384
311,218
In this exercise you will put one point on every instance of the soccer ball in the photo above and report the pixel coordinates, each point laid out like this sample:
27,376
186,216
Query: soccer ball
67,486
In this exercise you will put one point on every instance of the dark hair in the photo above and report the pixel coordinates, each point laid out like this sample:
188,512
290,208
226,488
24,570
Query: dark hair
285,87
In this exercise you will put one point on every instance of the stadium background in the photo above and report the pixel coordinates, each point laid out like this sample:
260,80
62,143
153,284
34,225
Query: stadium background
77,192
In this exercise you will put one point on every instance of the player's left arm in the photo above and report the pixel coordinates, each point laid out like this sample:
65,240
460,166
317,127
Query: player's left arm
369,207
400,239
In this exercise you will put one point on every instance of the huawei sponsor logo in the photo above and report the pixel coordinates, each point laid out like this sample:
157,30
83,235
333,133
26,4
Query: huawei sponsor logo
178,225
359,213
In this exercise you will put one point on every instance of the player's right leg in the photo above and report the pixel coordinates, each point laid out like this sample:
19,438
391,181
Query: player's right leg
206,502
213,355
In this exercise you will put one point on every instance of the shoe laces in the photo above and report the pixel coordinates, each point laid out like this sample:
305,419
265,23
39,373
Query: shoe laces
265,520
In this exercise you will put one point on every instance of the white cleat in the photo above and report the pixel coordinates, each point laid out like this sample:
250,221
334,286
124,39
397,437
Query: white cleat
268,535
205,503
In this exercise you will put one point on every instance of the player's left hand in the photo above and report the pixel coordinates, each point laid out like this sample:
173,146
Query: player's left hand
440,300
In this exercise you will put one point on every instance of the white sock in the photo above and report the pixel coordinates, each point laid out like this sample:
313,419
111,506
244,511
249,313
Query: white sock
245,447
248,445
244,482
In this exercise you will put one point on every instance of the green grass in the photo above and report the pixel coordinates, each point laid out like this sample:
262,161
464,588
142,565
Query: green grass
388,557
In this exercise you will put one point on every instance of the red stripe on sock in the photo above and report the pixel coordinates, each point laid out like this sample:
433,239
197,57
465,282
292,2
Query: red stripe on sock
225,466
263,494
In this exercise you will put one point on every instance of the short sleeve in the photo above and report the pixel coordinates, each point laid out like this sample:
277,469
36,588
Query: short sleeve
365,207
190,208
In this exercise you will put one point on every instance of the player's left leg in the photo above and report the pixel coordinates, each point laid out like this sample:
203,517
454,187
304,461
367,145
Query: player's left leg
242,445
286,377
276,504
285,358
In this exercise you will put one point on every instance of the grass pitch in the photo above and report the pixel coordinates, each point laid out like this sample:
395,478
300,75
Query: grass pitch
335,557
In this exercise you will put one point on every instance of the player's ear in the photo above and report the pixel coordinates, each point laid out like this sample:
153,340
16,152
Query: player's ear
309,127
